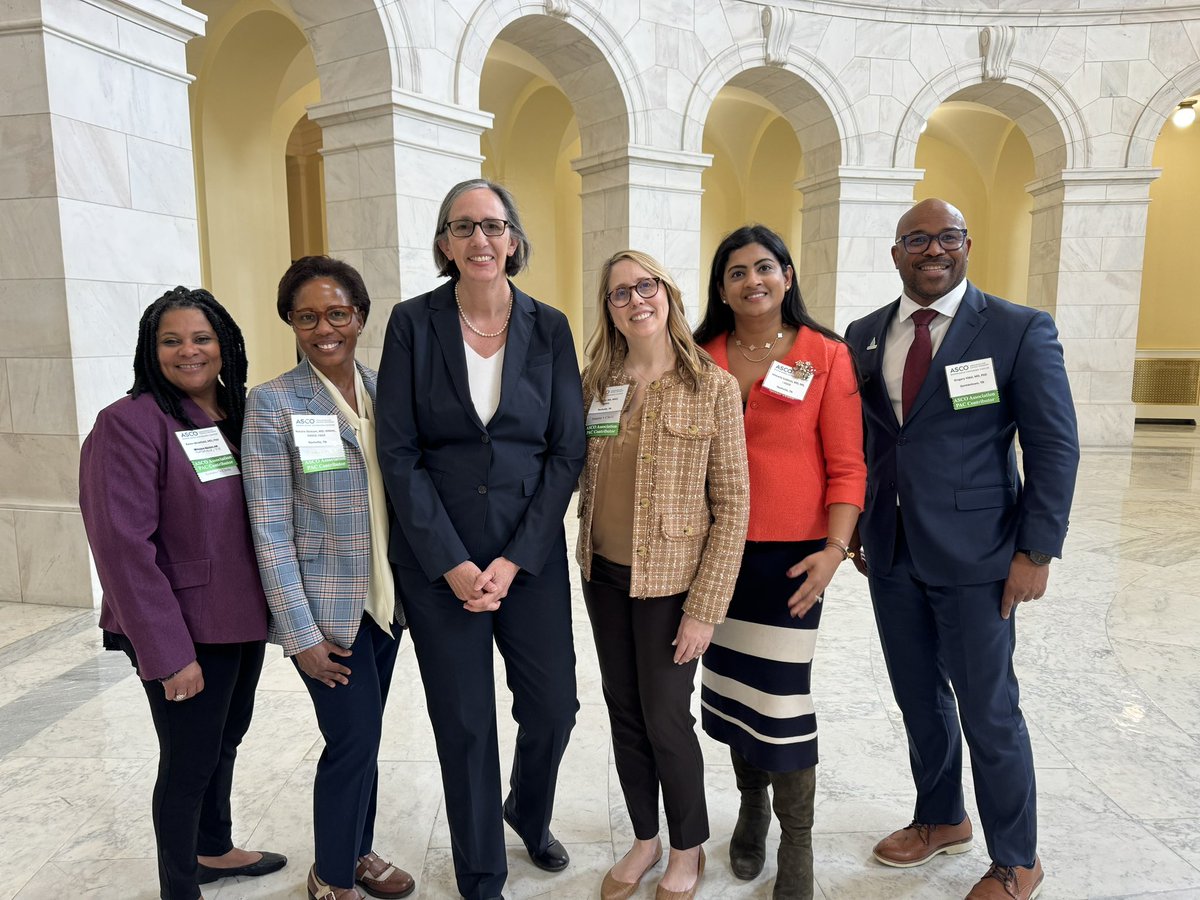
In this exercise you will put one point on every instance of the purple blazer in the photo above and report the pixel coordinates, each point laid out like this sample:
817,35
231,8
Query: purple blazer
174,554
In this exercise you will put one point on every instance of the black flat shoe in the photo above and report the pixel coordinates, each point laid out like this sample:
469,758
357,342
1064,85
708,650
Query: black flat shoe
552,858
270,862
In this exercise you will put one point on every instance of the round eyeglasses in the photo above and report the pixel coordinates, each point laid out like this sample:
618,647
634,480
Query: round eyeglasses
646,288
464,228
919,241
307,319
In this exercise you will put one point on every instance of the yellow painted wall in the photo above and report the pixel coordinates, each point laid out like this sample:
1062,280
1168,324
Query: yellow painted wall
951,176
1170,313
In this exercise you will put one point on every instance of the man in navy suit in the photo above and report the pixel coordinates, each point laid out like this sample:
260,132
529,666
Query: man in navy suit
954,540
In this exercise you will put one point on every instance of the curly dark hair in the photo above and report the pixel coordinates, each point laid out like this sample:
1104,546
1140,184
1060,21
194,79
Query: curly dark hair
307,268
148,377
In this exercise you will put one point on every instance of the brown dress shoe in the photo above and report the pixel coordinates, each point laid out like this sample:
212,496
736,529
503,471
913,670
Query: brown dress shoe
380,878
917,844
319,890
1009,883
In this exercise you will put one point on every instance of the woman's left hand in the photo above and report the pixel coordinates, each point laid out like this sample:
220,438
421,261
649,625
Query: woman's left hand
691,640
497,578
820,567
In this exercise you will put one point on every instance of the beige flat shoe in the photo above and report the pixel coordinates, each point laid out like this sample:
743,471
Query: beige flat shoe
612,889
661,893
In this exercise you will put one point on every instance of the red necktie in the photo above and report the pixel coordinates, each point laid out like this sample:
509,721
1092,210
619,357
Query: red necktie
916,364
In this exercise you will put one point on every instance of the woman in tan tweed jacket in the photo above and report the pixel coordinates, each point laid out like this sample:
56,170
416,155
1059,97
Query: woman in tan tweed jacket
663,507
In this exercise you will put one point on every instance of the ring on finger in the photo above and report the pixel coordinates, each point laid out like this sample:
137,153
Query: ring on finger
180,695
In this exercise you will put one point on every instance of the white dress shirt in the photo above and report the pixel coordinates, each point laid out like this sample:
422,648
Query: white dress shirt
900,338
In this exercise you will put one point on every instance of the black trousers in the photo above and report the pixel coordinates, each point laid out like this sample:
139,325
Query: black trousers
532,630
197,746
350,717
649,705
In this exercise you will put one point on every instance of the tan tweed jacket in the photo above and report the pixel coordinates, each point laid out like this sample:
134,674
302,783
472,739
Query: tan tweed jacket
692,493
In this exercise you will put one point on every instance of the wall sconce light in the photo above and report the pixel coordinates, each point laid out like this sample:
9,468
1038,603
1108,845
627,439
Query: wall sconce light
1185,115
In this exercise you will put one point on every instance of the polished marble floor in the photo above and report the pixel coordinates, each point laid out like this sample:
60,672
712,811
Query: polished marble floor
1109,664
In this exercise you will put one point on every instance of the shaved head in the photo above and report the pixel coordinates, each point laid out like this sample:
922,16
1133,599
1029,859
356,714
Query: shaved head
932,206
933,271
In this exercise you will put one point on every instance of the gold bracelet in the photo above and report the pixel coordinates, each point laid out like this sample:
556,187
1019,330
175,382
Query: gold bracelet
847,553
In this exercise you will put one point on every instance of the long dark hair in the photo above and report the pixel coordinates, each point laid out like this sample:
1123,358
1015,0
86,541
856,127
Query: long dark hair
148,377
718,317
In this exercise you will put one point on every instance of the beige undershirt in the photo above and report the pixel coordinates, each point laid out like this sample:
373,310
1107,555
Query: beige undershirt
381,592
616,474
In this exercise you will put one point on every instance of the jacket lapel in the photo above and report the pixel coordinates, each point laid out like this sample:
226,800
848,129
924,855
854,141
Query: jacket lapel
968,321
444,315
516,346
872,363
316,399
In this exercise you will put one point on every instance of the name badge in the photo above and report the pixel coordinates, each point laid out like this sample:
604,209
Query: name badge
208,453
604,415
319,440
789,382
972,384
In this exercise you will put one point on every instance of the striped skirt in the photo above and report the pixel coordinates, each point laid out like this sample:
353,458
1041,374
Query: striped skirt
755,694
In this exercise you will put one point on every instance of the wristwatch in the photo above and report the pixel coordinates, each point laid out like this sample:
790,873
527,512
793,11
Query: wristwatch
1037,558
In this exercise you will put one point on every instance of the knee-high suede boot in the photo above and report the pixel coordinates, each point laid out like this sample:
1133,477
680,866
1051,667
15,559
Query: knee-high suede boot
794,795
748,845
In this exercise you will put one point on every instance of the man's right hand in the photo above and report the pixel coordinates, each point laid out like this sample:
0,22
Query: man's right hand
316,664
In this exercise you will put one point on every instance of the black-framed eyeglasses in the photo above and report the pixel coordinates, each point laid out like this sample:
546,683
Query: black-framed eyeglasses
646,288
464,228
307,319
919,241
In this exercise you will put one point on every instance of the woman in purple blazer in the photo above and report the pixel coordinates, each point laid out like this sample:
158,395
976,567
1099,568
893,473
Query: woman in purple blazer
161,496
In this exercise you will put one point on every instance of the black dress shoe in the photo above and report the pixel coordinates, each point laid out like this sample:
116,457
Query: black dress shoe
551,858
270,862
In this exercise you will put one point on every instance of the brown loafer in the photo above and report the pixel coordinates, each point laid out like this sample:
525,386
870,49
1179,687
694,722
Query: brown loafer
1009,883
380,878
319,890
916,844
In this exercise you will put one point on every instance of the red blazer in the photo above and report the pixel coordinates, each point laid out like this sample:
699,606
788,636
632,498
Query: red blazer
803,456
173,553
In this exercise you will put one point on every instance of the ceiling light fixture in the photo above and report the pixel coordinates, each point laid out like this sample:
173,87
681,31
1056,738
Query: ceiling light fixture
1185,115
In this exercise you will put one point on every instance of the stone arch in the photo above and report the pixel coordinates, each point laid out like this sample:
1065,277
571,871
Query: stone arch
821,112
1140,151
1041,107
361,46
584,54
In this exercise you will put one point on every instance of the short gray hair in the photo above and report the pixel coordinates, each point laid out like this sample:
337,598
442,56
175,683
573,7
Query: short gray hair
514,263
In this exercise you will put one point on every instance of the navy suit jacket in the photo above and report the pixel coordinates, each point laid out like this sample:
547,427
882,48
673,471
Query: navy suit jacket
461,490
965,508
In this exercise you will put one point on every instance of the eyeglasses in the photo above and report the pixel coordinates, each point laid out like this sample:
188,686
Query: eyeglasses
919,241
464,228
621,296
307,319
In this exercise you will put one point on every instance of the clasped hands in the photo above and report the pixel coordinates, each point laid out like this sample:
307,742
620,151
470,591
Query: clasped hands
481,590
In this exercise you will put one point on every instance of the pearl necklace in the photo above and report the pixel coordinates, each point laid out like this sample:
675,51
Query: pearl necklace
467,322
767,346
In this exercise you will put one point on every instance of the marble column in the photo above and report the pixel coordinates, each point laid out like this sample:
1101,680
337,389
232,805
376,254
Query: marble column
389,159
847,230
97,218
1085,269
645,199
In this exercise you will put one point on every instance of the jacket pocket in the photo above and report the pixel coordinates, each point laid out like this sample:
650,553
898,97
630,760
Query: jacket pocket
695,430
192,573
529,484
686,526
1000,495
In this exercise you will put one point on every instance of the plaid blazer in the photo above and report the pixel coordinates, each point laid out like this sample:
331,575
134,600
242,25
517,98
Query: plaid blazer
691,492
312,531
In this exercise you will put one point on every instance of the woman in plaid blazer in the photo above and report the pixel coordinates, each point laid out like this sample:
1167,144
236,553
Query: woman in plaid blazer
663,504
319,514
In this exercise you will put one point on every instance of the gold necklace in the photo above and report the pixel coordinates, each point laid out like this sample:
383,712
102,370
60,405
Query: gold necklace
767,347
484,334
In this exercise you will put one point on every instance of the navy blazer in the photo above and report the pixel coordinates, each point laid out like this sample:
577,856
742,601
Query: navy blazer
461,490
173,552
965,508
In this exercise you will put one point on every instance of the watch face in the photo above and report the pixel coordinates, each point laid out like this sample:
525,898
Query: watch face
1041,559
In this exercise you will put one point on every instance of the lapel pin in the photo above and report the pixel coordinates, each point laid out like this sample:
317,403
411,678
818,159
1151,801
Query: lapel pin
873,345
803,370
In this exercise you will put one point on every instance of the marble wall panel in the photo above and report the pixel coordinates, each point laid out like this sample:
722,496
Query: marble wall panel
22,72
91,162
161,178
88,86
339,38
29,234
679,13
103,316
86,20
926,52
109,244
98,382
26,163
150,45
53,555
5,408
341,175
40,395
158,109
35,318
1117,42
10,567
1105,424
881,40
39,469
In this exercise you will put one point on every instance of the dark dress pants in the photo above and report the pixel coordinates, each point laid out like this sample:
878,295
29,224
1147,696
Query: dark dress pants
532,630
649,705
351,720
934,637
197,746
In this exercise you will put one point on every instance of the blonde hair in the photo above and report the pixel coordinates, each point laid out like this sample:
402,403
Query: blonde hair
607,346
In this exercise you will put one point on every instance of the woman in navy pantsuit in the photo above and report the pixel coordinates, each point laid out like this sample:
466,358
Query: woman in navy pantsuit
481,441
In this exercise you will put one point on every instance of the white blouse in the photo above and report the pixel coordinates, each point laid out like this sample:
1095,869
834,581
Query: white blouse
483,377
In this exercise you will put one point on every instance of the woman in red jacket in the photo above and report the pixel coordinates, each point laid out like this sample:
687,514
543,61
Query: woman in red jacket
803,421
